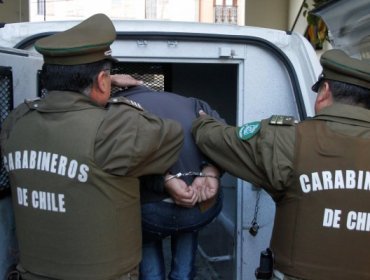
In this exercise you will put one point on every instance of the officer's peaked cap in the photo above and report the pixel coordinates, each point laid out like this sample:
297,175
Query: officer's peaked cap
338,66
87,42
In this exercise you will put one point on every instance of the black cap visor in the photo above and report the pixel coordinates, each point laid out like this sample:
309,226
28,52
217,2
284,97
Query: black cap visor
317,85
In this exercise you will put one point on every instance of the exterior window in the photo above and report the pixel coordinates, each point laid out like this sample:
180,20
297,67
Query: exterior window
226,11
40,7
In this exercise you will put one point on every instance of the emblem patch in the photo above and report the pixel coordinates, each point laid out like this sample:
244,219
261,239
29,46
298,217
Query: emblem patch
248,130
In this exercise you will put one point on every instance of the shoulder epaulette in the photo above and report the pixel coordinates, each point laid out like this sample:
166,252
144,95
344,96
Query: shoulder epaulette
282,120
124,100
32,102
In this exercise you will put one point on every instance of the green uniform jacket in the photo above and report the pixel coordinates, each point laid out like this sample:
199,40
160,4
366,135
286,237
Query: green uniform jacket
73,169
269,157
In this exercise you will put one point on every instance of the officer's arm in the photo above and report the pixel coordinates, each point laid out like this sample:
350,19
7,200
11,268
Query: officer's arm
162,139
219,142
132,142
263,157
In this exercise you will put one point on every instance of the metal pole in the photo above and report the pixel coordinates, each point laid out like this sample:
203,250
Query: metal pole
296,19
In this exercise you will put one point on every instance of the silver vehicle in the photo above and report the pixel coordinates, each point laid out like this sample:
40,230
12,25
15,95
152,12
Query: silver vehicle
245,73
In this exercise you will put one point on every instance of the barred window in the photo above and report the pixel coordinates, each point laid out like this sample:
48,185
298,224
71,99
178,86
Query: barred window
226,11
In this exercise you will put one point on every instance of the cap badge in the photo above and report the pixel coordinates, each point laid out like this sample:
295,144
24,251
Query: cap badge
108,53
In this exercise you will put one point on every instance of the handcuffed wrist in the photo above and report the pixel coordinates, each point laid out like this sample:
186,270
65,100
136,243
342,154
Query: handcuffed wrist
191,173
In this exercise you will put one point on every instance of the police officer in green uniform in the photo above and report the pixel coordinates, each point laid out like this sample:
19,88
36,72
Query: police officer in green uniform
74,158
317,172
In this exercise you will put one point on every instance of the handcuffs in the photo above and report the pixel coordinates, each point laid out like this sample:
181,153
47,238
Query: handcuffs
190,173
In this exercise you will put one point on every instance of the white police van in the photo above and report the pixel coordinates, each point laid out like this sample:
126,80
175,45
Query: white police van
245,73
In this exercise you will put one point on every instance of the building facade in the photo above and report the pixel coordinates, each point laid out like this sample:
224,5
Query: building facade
277,14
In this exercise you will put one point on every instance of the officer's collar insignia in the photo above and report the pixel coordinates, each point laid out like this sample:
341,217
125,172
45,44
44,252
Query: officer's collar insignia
282,120
135,104
122,99
248,130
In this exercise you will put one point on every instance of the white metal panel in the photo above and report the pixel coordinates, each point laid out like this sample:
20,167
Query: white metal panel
267,91
24,67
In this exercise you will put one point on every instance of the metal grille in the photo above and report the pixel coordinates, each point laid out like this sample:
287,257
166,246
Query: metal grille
6,105
154,75
41,92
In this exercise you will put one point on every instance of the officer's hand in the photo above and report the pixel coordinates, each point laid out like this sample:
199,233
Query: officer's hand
207,187
181,193
202,113
123,80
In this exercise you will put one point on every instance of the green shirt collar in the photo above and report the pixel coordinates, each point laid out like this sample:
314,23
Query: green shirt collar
345,114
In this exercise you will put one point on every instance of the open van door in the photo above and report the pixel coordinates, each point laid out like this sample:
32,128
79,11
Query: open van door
349,25
18,72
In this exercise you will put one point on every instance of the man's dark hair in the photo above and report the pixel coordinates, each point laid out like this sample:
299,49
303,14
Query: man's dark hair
77,78
350,94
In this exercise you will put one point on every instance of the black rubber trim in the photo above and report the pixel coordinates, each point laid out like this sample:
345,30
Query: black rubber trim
13,53
29,41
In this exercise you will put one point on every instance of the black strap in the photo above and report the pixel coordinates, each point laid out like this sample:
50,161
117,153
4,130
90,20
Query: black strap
4,192
14,275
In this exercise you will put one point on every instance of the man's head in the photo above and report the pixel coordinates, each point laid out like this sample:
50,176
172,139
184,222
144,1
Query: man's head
344,79
79,58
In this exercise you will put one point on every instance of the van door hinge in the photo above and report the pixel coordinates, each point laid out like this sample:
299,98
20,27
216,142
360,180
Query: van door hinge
142,43
225,52
172,44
